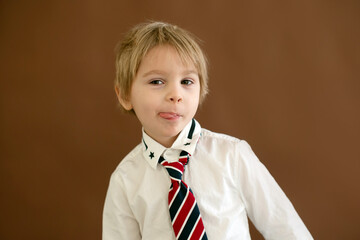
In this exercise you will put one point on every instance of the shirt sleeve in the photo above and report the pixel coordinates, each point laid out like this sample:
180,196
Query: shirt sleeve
118,220
266,204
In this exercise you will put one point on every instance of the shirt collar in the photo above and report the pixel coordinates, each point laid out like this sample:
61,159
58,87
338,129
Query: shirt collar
186,141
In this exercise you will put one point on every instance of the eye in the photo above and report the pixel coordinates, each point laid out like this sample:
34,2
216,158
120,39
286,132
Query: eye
156,82
187,82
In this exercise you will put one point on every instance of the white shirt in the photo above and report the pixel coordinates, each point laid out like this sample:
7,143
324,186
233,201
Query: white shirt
227,179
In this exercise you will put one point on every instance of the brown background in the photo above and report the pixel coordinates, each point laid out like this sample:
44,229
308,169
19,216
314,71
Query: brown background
284,76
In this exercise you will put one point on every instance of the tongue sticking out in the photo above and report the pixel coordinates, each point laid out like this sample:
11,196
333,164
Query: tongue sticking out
169,116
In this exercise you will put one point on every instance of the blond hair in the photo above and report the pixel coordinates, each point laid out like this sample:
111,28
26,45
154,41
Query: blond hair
142,38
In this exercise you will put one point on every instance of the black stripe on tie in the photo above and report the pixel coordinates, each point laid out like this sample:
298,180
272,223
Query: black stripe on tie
161,159
183,153
190,135
190,224
174,173
179,198
204,236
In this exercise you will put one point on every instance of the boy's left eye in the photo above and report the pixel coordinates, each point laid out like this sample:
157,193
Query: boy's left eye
186,82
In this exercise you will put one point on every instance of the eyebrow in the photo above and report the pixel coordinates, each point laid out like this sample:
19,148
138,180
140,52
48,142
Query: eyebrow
187,72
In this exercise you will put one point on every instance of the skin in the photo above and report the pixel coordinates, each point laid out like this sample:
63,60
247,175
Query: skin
164,94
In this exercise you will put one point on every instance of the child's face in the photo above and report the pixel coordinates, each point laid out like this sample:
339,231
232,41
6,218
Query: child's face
165,94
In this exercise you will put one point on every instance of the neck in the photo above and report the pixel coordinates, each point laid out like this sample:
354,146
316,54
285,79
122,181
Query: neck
164,141
167,142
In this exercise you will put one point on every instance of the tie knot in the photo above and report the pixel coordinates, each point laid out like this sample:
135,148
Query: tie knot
176,169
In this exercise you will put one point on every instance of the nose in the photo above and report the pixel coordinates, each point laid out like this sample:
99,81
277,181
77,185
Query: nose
175,95
176,99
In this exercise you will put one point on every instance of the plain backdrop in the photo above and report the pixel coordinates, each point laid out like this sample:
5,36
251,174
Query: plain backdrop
284,75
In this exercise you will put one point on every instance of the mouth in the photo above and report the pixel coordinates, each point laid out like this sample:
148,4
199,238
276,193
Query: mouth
169,115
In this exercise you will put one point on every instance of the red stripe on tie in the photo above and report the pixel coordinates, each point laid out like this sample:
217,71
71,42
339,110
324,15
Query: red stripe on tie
174,190
183,214
198,231
183,160
176,165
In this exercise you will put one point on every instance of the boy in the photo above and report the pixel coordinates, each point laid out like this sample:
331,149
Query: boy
183,181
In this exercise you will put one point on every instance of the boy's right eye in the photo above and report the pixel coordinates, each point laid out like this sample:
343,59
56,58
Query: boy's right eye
156,82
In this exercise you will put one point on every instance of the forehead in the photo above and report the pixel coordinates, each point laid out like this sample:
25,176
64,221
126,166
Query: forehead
166,56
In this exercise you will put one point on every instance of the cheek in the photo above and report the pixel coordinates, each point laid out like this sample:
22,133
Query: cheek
144,104
138,98
195,97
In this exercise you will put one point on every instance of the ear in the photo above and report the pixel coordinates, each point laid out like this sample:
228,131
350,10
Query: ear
125,103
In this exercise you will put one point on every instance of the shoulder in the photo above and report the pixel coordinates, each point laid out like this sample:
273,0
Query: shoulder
209,135
213,141
223,139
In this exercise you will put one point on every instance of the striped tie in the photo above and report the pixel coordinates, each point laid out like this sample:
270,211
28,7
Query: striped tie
184,212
